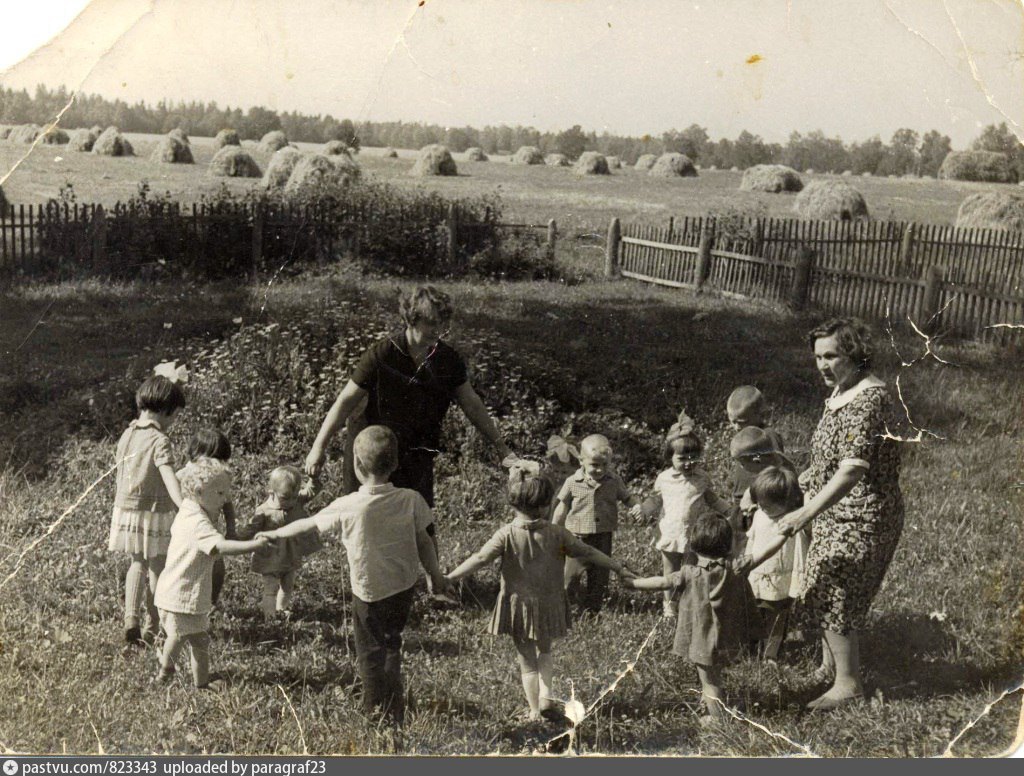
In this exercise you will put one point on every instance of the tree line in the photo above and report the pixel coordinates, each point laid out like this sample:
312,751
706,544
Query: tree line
906,152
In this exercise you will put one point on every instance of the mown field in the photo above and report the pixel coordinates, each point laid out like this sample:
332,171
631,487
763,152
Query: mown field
529,193
946,636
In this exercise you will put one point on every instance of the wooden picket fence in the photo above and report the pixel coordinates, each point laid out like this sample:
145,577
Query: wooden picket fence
965,282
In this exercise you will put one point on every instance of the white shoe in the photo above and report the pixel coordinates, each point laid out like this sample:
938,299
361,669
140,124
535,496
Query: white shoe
669,610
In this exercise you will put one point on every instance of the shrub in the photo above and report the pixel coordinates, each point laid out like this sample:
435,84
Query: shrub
673,166
233,162
772,178
985,166
519,256
112,143
591,163
830,200
992,210
227,137
170,150
434,160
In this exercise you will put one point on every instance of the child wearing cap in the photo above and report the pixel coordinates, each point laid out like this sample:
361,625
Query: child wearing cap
752,450
746,407
588,507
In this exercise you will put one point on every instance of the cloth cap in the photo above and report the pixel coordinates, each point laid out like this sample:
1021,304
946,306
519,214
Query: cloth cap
749,441
743,401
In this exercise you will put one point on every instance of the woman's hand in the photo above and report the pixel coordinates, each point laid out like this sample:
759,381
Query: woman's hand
794,522
314,461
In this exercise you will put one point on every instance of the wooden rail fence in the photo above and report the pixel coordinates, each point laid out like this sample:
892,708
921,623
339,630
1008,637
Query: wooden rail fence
966,282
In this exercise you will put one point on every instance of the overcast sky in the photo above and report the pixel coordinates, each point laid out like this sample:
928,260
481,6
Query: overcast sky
852,69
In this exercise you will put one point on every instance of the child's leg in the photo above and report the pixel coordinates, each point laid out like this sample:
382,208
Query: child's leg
777,619
134,591
172,648
154,567
711,689
670,563
284,595
219,573
271,584
597,577
545,673
199,644
528,668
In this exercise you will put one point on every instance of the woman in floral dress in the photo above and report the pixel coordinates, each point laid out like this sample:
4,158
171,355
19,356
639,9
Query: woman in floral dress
853,501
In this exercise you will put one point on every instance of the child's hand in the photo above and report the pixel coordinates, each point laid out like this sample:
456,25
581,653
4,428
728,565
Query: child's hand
636,511
627,581
266,538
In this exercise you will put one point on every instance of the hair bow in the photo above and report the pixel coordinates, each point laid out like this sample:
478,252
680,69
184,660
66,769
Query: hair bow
173,372
519,468
684,425
559,447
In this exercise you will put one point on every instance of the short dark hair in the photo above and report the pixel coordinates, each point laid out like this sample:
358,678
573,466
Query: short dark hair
376,450
852,335
158,394
530,492
777,485
425,302
682,443
210,442
711,535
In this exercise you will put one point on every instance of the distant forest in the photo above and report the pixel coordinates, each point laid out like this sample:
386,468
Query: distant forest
907,152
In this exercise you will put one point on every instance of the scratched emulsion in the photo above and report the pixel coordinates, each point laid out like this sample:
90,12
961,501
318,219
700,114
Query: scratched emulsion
928,353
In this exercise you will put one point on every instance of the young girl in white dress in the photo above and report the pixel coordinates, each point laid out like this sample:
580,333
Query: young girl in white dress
532,606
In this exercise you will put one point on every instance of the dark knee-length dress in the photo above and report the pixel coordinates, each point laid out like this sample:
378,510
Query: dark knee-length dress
853,542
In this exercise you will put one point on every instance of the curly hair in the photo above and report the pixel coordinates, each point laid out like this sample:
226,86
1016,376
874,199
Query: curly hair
198,474
853,336
425,302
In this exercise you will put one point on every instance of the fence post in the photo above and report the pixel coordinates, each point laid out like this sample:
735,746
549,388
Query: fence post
907,244
611,252
99,241
707,238
552,237
257,240
933,281
801,288
671,228
758,238
453,233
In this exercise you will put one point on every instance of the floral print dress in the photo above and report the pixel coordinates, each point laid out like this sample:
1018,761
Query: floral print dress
853,542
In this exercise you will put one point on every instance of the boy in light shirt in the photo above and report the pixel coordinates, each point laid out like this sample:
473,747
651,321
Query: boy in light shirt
384,531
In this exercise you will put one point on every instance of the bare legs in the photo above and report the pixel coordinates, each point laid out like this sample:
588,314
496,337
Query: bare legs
711,690
277,593
671,562
536,667
199,646
842,654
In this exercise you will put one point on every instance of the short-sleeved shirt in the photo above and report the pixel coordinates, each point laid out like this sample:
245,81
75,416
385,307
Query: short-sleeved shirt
378,526
186,583
682,496
593,505
411,400
142,449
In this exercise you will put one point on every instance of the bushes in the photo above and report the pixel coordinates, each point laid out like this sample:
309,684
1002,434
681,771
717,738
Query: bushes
985,166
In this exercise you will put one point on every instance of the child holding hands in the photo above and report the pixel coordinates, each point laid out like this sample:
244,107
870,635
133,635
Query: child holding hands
588,507
384,530
717,614
681,493
532,606
146,501
184,591
212,443
279,564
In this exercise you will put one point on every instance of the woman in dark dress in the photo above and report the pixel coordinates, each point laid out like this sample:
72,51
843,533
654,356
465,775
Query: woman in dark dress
853,503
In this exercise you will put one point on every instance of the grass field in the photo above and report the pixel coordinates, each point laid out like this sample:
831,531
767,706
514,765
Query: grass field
530,193
946,635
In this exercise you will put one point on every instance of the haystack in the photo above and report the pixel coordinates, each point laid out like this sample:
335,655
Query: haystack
112,143
179,134
233,162
993,210
5,132
434,160
96,129
986,166
170,150
591,163
390,153
335,148
557,160
227,137
26,133
54,136
316,173
713,167
81,140
772,178
273,141
847,173
865,174
614,162
280,166
673,166
830,200
528,155
809,171
476,155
